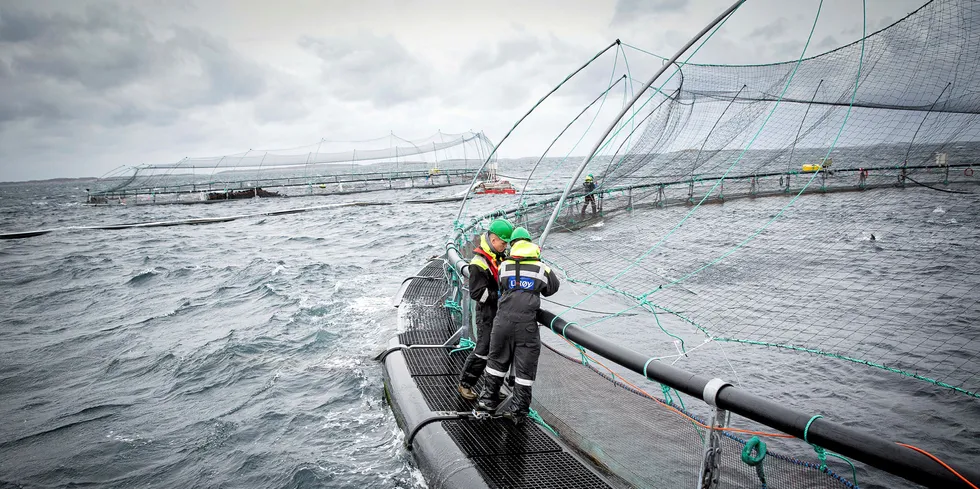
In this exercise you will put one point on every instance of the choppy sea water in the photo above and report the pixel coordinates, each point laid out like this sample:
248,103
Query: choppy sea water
228,355
235,354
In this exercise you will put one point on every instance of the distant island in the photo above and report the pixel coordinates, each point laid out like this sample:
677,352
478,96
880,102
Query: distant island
52,180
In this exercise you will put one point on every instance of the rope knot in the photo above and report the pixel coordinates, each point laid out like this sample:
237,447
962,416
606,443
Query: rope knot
464,344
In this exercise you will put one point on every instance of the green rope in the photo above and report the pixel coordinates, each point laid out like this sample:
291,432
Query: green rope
656,318
810,181
464,344
581,351
759,447
822,452
730,168
453,305
868,363
537,419
666,391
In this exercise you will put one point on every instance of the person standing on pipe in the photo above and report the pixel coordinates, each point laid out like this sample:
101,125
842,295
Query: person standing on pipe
514,338
484,292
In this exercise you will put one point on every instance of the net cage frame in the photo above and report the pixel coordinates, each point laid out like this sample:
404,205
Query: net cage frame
326,167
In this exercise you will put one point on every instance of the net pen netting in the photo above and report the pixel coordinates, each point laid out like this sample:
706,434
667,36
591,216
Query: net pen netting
807,230
325,167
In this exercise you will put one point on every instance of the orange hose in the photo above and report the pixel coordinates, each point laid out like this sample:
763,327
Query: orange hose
940,462
750,432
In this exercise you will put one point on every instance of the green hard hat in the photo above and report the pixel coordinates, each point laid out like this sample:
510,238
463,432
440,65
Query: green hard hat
519,234
501,228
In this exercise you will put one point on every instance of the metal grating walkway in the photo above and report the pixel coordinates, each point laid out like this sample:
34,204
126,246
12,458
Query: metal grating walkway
552,470
507,456
433,361
440,393
423,337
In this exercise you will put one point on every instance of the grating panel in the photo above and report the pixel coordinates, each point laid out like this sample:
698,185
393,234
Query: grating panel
433,361
429,317
426,290
480,438
440,392
549,470
432,269
423,337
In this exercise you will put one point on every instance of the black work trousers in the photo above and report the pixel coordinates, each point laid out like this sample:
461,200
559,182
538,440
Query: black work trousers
515,342
588,199
476,361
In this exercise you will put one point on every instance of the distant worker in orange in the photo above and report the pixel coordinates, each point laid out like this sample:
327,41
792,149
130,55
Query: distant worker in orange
589,186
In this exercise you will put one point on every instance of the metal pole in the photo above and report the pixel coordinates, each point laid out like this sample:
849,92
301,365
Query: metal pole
535,167
591,154
462,205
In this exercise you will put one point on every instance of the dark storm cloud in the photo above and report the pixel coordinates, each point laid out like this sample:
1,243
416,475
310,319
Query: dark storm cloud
110,66
370,68
631,10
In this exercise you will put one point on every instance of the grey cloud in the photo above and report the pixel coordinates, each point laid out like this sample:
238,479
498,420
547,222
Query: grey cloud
508,51
228,74
826,44
282,103
18,28
370,68
12,110
111,66
770,30
525,67
790,50
630,10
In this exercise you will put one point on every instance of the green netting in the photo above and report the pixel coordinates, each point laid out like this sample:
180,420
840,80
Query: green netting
806,230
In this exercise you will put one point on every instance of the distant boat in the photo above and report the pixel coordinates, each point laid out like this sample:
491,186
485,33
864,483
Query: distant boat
494,187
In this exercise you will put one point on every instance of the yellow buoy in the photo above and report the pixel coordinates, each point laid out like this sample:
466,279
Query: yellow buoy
808,168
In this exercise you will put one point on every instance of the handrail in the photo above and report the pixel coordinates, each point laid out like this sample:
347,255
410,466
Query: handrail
870,449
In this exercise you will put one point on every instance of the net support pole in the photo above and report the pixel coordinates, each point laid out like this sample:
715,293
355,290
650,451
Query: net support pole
626,108
493,152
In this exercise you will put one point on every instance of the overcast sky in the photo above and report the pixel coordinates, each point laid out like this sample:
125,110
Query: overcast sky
87,86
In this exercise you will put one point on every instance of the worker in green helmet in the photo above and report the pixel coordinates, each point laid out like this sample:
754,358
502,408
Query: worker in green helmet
523,279
484,291
589,186
519,234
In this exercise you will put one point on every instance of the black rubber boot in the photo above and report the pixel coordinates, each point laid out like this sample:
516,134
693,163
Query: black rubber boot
520,404
490,397
472,370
